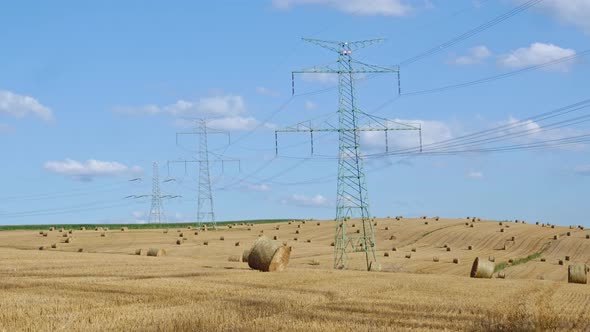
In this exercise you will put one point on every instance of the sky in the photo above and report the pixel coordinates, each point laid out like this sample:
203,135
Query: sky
93,93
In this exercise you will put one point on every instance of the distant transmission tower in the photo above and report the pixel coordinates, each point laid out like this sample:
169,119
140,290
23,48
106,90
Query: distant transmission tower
205,206
156,214
352,195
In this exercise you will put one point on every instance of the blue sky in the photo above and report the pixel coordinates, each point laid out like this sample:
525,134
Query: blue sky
91,93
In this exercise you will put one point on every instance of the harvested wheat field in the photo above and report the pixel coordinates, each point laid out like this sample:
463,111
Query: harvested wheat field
197,287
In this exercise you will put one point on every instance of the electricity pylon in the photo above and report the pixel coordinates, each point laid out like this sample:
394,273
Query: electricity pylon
205,207
156,214
352,195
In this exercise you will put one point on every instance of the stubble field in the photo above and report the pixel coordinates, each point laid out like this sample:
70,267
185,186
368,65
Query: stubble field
196,288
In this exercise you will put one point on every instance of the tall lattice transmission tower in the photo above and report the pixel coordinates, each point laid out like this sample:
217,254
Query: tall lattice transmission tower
205,206
156,214
352,194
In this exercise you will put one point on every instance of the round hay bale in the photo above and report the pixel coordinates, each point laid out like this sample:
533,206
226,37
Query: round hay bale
179,241
42,247
268,256
165,231
54,245
80,249
394,249
502,230
82,228
555,237
448,248
295,239
140,252
552,226
577,274
408,256
502,275
492,259
181,235
275,237
308,241
482,269
587,236
51,229
221,238
156,252
206,243
196,233
62,229
513,238
456,261
358,231
469,247
299,226
289,223
437,218
466,224
70,240
386,228
445,245
386,254
249,228
500,223
103,235
237,244
319,224
435,259
70,231
297,232
65,235
413,249
123,229
392,237
560,262
543,259
41,232
191,227
511,261
332,244
277,228
353,225
375,224
568,233
567,258
471,226
245,255
45,234
537,223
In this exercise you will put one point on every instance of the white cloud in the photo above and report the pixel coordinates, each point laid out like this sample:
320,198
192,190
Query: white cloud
576,12
432,131
310,105
306,201
234,123
475,175
527,132
475,55
266,91
582,169
537,54
356,7
224,105
90,169
324,78
20,106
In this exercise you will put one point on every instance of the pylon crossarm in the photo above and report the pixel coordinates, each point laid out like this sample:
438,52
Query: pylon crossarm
339,46
370,68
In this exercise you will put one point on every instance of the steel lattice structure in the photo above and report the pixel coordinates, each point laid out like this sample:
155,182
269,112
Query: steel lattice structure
205,206
156,214
352,193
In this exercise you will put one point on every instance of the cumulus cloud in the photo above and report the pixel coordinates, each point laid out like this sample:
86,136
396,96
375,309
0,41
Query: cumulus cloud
266,91
90,169
476,175
576,12
306,201
138,214
537,54
529,131
475,55
355,7
19,106
432,131
224,105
